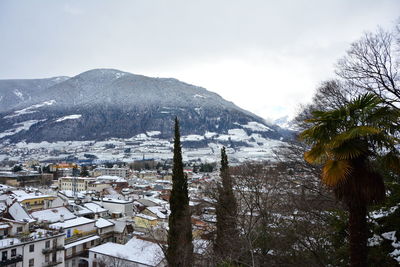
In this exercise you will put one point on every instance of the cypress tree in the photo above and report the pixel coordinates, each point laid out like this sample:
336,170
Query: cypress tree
227,239
180,246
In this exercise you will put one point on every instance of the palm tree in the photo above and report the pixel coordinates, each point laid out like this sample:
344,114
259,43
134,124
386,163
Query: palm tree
347,141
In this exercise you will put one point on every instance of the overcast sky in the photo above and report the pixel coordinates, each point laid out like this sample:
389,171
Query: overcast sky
265,56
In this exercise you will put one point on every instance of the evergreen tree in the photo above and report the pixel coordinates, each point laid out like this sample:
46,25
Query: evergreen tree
226,243
180,246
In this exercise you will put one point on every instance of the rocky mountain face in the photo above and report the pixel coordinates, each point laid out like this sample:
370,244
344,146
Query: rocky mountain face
104,103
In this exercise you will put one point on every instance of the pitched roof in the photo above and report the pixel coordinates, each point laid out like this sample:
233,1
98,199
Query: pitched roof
53,215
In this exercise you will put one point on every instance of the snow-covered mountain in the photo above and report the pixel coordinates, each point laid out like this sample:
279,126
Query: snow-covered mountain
16,92
287,123
105,103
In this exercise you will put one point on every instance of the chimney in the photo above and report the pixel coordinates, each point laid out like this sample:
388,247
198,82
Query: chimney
62,218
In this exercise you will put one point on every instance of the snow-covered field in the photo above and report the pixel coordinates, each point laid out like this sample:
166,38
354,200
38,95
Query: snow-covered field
146,145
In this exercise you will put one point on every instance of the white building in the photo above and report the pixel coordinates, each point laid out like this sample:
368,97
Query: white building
121,172
98,210
80,235
136,252
80,183
40,249
116,207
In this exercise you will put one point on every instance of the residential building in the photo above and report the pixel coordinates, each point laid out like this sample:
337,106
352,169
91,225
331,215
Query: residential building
136,252
116,207
98,210
42,248
77,184
80,235
33,201
121,172
105,229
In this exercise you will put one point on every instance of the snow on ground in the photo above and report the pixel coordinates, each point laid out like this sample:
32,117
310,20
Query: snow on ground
69,117
21,126
30,109
395,254
383,213
192,137
153,133
209,135
148,145
257,127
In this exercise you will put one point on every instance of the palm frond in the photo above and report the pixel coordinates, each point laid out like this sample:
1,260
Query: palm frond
316,155
350,150
353,133
335,172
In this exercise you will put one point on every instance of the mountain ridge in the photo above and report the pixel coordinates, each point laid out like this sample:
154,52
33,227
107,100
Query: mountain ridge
106,103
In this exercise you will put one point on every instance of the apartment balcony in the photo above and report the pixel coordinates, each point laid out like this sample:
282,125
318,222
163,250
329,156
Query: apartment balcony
12,260
52,249
80,254
81,235
53,262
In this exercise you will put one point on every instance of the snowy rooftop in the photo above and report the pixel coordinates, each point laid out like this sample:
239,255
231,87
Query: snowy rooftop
113,200
19,213
71,223
4,226
79,210
81,241
21,195
70,194
144,216
159,211
110,178
136,250
102,223
53,215
94,207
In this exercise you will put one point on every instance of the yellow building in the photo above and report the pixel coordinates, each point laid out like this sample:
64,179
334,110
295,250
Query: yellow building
144,221
33,201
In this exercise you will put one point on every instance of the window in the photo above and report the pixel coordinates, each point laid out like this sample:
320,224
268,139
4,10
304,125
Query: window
4,255
19,229
92,244
31,248
46,258
13,252
47,245
31,262
5,231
